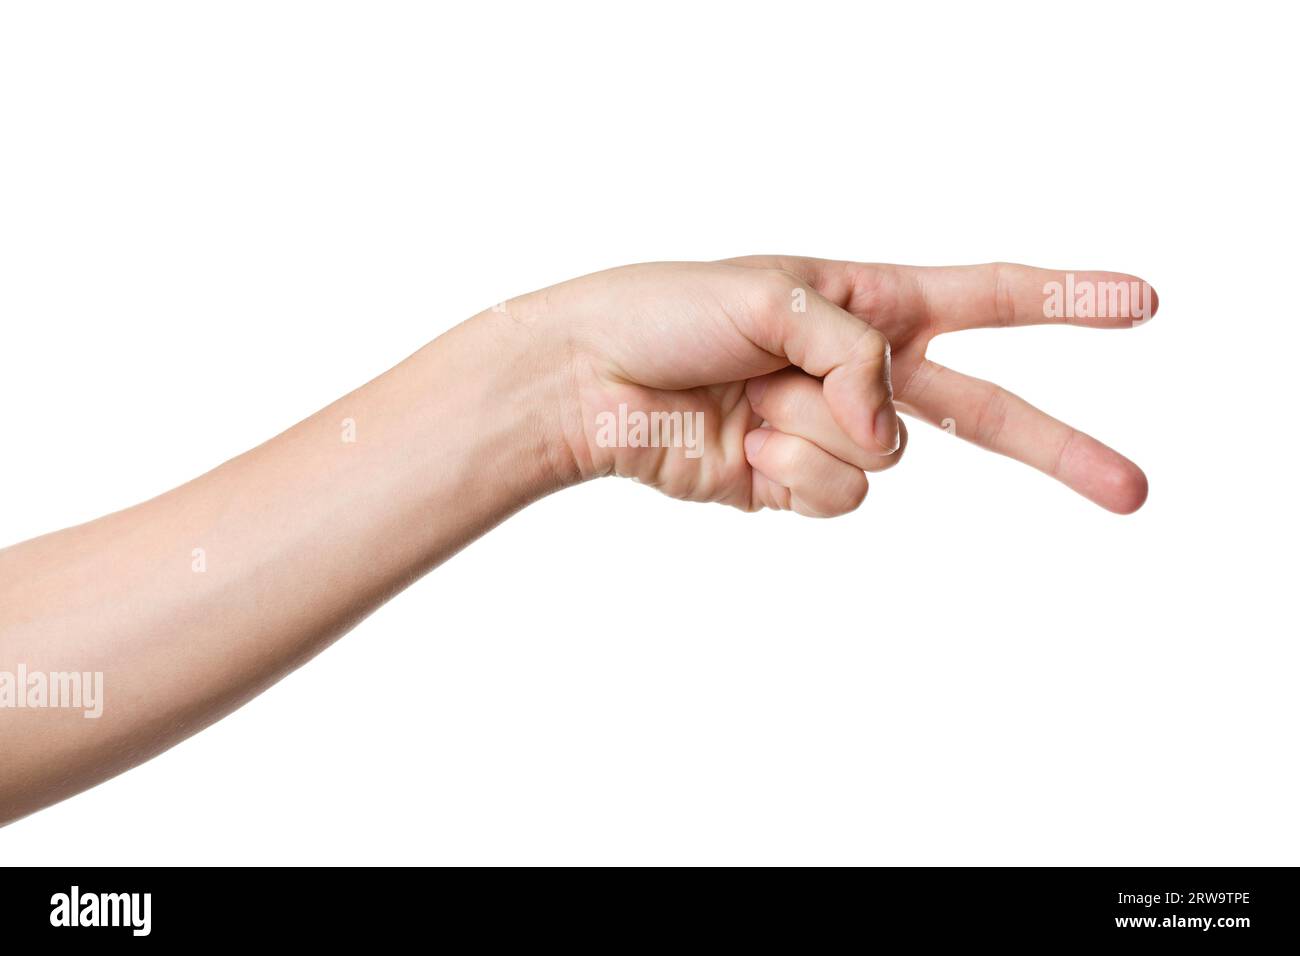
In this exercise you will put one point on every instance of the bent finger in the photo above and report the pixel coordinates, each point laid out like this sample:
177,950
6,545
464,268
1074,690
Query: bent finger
792,473
793,402
789,318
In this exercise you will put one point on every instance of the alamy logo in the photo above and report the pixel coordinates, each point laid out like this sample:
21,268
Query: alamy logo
639,429
1084,299
103,909
71,690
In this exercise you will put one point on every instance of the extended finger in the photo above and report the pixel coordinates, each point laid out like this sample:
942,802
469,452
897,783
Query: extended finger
1002,294
994,418
953,298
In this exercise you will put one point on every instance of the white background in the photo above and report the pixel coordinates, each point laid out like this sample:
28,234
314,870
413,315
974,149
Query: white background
216,218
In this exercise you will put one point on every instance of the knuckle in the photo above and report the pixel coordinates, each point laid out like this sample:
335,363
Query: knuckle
874,292
856,492
793,456
785,399
778,285
1004,301
992,417
872,346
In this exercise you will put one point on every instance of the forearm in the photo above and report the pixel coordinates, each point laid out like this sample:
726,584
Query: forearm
195,601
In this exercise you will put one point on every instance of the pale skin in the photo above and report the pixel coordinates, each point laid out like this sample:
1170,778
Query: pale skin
303,536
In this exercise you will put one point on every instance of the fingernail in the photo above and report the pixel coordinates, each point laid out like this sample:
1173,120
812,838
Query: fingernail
754,441
887,428
755,388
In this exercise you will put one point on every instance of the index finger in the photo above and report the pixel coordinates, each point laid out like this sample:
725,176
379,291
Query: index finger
997,294
1002,294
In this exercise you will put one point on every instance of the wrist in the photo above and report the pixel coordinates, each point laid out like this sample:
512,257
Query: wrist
525,401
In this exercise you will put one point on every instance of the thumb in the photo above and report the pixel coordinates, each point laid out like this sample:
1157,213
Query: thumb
850,356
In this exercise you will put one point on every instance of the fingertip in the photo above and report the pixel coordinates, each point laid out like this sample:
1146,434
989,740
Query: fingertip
1103,476
1148,304
1120,486
755,441
1144,302
887,429
1125,489
870,421
888,461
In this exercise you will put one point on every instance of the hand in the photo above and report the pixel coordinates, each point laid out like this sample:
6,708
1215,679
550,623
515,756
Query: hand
718,382
643,332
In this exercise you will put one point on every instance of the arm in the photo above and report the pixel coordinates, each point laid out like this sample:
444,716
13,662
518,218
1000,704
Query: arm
194,602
